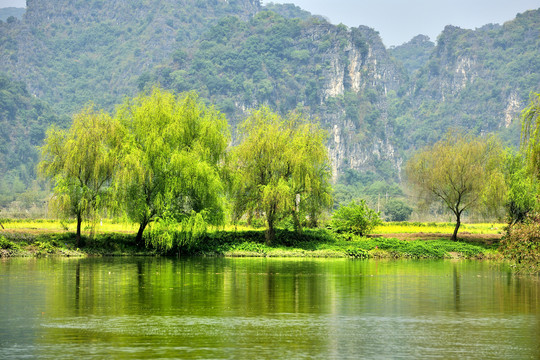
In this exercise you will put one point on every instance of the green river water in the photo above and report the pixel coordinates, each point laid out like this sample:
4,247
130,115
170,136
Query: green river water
218,308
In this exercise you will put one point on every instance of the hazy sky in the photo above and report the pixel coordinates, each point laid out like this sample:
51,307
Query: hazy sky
12,3
399,20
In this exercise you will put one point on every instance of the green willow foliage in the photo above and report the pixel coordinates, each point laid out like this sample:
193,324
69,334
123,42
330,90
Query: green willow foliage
530,135
461,173
81,162
522,188
281,169
172,153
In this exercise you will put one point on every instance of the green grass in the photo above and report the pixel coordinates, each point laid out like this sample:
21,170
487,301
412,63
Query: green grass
47,237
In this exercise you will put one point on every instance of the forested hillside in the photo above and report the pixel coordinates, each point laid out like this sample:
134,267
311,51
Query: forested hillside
478,80
24,120
377,104
335,74
71,52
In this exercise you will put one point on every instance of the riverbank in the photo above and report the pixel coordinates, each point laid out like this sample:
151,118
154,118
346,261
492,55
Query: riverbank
318,243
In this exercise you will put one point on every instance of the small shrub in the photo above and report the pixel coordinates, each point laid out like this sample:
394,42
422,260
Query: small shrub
45,247
251,247
522,245
356,218
357,253
8,245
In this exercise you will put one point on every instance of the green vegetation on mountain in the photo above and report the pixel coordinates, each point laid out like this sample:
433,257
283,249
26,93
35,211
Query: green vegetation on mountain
284,63
24,120
73,52
414,54
477,80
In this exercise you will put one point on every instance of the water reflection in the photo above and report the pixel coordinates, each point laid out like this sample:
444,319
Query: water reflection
265,308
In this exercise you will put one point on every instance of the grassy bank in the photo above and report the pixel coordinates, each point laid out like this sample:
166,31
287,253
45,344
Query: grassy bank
46,238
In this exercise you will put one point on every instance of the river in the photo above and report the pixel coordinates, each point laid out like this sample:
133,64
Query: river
220,308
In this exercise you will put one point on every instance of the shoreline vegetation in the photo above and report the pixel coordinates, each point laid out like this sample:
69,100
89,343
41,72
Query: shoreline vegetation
403,240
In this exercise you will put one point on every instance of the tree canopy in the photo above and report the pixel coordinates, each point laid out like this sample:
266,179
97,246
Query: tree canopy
173,150
530,134
81,161
282,169
460,172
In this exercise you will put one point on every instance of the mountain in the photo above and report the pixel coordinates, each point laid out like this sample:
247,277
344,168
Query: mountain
71,52
333,73
378,104
476,79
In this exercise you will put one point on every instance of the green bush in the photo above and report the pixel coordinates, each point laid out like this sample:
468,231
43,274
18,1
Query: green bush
522,245
8,245
356,218
397,210
251,247
357,253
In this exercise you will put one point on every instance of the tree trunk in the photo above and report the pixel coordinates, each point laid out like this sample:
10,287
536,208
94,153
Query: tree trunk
270,231
139,239
313,220
296,223
78,233
458,223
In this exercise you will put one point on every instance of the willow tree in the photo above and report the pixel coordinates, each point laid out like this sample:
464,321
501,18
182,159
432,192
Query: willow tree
81,161
530,135
282,168
460,172
174,148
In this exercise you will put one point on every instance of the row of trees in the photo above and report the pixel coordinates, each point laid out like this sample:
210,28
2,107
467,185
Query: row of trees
166,160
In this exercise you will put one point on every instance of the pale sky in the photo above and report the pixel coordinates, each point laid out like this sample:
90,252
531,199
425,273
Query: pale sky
398,21
12,3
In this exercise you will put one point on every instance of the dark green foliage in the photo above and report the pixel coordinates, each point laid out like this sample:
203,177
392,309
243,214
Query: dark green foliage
414,54
418,249
319,243
23,123
397,210
521,200
8,245
357,253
